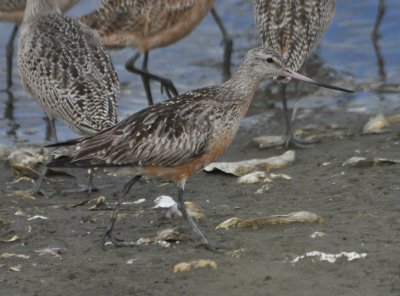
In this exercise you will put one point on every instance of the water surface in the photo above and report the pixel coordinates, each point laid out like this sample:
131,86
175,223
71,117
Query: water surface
347,49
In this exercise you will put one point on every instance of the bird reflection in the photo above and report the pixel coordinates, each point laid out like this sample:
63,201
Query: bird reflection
9,115
375,40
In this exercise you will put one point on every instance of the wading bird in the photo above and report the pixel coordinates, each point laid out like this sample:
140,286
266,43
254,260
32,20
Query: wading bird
178,137
146,25
64,66
293,28
13,11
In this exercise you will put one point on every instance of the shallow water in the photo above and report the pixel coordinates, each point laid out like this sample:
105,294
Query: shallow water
194,62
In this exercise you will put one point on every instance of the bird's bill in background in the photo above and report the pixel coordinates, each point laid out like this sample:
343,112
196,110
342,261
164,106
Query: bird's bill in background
292,74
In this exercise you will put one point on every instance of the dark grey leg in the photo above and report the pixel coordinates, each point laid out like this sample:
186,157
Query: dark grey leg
110,225
228,45
38,184
182,207
291,140
10,53
166,84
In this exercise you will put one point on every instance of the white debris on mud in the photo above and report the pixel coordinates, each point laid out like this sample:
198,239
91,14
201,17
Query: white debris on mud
331,258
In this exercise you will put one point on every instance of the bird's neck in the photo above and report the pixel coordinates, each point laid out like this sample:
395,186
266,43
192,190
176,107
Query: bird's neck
242,86
35,8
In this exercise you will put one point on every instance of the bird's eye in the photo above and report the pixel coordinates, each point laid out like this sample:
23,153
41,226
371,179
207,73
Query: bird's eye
270,60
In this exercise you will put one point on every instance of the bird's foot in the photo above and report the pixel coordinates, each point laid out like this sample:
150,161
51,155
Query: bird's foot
168,87
114,240
85,188
211,247
295,142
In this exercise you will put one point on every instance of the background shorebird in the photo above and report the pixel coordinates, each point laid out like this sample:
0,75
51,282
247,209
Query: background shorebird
178,137
293,28
147,25
13,11
64,66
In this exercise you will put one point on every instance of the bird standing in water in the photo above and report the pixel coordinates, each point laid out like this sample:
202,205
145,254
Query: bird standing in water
13,11
293,28
64,66
176,138
150,24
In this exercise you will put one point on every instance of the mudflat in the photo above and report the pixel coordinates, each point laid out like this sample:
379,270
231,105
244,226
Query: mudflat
51,245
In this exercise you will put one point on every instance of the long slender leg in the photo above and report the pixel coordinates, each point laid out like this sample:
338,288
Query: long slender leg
90,187
381,13
166,84
38,184
291,140
111,223
182,207
375,40
10,52
146,80
228,45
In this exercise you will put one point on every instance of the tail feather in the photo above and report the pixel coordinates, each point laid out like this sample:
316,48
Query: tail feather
66,143
62,161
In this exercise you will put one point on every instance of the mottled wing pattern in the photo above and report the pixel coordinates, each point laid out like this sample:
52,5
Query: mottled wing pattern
12,5
168,134
17,5
64,65
292,27
141,17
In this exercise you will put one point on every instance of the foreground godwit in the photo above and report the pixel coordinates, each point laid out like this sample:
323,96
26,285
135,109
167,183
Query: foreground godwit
13,11
147,25
65,67
178,137
293,28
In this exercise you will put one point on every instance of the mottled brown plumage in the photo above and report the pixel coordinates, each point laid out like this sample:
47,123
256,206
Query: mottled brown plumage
176,138
13,11
293,28
146,24
150,24
64,66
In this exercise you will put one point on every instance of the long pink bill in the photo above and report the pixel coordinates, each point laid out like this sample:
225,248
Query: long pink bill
289,73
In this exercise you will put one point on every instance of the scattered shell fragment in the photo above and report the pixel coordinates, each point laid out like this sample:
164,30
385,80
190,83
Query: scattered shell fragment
261,177
241,168
295,217
55,251
317,234
236,253
165,235
357,161
10,255
21,194
10,240
16,268
24,162
268,141
254,177
331,258
194,210
139,201
264,188
164,201
376,125
187,266
169,203
38,217
97,203
19,212
130,261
